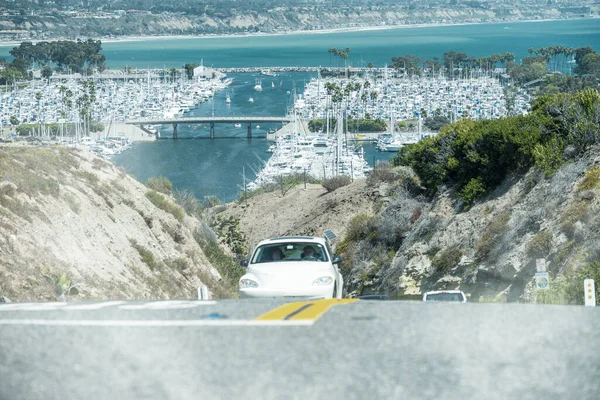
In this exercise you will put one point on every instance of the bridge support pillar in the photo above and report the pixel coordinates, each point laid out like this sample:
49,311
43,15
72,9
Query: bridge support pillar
212,130
249,130
174,131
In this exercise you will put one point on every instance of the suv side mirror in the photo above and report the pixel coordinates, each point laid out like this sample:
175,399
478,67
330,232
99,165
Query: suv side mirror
244,263
337,260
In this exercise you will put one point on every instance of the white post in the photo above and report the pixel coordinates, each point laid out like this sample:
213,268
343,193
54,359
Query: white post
203,293
589,292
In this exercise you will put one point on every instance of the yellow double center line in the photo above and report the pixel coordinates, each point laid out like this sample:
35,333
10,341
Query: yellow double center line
303,310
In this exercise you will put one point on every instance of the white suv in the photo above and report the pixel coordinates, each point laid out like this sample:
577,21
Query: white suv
445,295
292,266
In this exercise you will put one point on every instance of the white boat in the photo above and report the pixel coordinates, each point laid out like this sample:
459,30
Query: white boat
250,100
238,125
267,72
258,85
272,84
257,126
228,99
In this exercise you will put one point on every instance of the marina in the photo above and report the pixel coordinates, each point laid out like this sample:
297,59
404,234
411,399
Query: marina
411,97
214,167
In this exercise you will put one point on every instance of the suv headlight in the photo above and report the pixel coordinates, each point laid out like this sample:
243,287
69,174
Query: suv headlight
323,281
248,283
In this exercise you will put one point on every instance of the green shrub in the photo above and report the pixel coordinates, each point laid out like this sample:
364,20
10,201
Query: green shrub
146,255
540,245
177,264
575,212
549,157
472,191
486,151
591,179
73,203
446,260
228,231
229,269
91,178
336,182
174,233
362,227
491,235
383,172
17,207
211,201
188,202
159,201
160,184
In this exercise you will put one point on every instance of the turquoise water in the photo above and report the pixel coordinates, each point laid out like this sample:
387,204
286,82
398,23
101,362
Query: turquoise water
377,46
215,167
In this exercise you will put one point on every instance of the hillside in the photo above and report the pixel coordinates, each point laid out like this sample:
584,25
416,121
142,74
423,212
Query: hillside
74,226
300,211
471,209
71,25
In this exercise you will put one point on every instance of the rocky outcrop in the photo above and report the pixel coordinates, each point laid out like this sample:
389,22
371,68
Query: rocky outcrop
490,250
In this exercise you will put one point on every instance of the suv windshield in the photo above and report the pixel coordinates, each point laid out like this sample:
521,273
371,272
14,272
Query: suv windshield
295,251
445,297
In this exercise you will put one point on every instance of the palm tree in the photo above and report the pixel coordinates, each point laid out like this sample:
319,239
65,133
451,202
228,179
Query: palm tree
331,51
373,96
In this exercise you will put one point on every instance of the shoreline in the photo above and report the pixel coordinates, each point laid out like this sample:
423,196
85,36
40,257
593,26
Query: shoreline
131,39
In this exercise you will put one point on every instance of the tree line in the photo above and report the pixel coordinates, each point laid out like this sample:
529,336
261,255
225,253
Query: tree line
63,55
476,156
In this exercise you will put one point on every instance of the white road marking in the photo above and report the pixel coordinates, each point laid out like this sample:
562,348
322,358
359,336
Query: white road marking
167,305
32,306
93,306
152,305
156,323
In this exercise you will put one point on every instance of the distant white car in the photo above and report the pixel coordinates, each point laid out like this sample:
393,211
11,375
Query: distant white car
445,295
292,266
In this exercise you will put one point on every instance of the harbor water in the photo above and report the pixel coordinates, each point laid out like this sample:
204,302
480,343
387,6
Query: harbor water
215,167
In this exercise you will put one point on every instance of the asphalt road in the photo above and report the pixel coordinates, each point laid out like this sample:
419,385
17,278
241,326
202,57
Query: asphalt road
359,350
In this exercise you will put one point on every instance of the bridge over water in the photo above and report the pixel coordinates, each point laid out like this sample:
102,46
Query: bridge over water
210,120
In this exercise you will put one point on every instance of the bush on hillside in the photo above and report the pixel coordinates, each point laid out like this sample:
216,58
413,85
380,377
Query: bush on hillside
160,184
383,172
211,201
159,201
591,179
336,182
446,260
228,267
188,202
540,245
